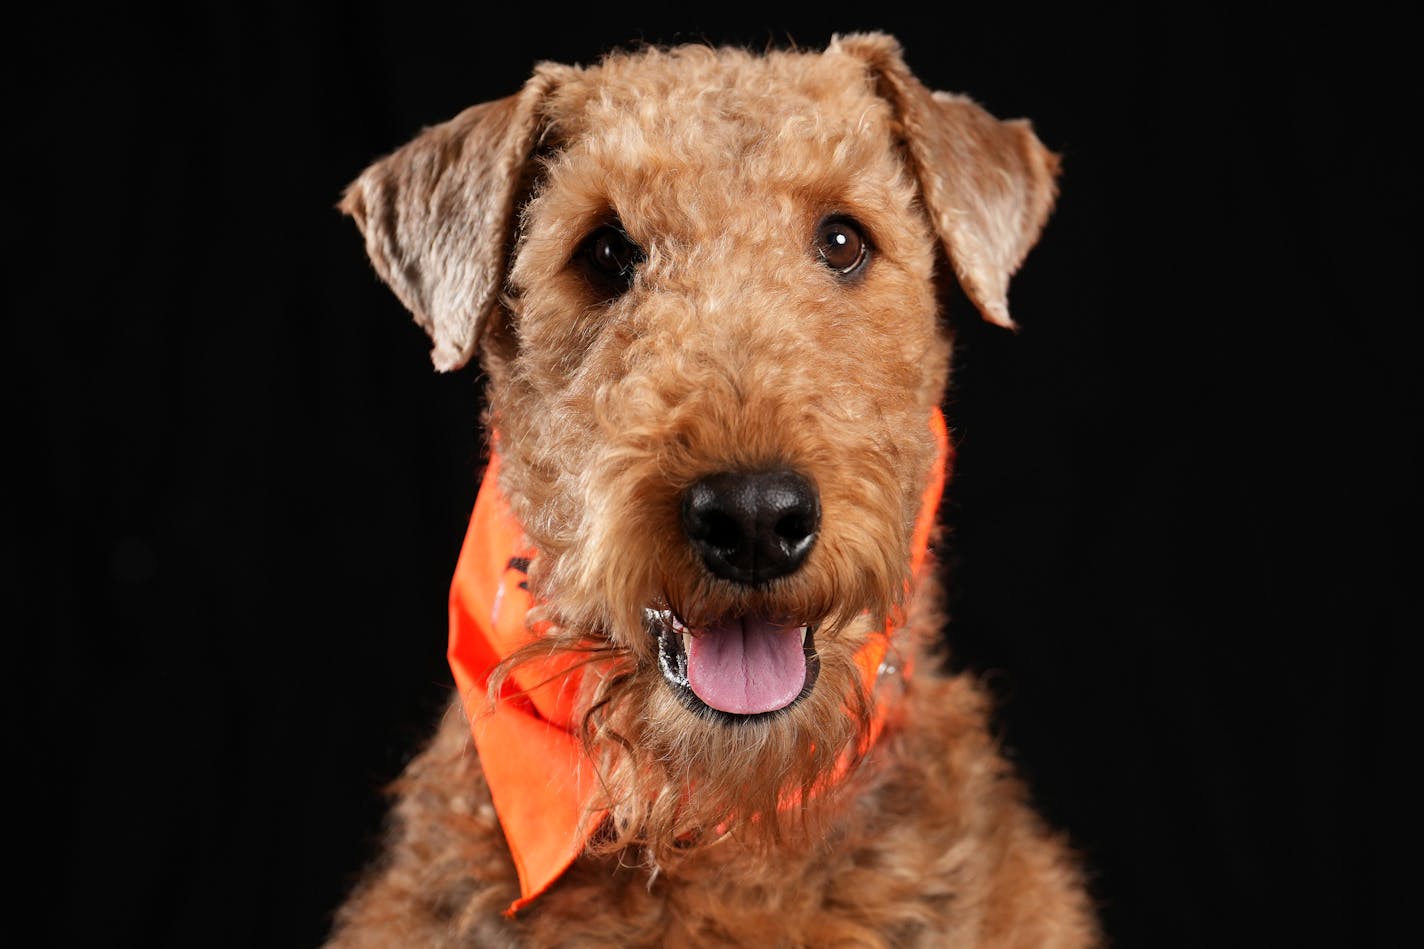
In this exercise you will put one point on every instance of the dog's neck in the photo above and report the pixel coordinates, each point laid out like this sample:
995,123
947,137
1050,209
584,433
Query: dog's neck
542,782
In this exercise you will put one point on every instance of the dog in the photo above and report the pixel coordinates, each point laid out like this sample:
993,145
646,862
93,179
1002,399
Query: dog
695,621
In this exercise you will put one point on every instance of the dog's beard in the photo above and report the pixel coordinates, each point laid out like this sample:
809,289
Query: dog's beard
675,780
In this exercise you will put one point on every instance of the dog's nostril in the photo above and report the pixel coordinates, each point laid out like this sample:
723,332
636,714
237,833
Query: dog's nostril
751,527
794,527
717,529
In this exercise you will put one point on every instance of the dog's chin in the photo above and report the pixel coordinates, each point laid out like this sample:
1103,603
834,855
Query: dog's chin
738,670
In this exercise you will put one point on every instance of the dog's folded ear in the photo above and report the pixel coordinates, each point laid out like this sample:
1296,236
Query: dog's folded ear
438,213
987,184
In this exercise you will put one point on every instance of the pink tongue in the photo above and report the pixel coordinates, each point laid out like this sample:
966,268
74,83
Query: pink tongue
746,666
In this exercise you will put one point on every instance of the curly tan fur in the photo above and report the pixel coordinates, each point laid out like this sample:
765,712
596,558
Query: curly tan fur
734,348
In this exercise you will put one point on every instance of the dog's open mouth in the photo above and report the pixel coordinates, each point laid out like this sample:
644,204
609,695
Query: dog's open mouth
743,667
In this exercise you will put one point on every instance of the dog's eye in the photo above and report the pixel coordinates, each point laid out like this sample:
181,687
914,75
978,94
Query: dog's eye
611,256
841,245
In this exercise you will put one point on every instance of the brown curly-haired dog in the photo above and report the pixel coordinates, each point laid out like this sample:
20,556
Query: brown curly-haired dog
702,283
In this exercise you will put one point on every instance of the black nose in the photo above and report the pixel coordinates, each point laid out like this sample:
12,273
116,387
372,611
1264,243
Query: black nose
752,527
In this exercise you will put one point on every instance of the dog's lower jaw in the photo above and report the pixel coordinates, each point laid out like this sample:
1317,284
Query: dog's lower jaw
676,644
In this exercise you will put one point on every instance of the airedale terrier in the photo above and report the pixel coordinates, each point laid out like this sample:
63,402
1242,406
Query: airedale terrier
692,627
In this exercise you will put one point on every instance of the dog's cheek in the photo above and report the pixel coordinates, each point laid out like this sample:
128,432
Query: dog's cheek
905,301
862,553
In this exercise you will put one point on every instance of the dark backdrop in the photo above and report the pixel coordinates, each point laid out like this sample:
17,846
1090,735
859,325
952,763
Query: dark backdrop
238,488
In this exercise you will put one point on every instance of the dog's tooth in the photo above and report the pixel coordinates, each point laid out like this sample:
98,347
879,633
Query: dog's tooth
805,633
664,619
686,643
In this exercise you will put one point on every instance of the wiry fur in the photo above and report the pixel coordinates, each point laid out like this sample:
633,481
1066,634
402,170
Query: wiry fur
735,348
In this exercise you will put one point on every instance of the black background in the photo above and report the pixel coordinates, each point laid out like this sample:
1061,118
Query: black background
238,488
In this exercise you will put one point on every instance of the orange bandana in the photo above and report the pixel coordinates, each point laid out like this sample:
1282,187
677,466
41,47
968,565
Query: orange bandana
540,778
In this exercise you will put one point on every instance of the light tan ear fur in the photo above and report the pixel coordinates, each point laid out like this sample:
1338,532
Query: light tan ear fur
988,185
437,216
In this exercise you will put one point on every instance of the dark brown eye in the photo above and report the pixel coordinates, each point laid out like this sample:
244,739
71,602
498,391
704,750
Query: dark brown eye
611,256
841,245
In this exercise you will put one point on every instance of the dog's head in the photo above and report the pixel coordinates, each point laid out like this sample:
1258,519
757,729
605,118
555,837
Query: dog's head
703,285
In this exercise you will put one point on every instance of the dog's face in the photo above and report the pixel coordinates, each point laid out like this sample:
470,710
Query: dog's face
713,358
723,288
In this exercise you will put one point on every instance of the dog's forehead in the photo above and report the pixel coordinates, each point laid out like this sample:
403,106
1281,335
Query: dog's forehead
730,86
663,119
